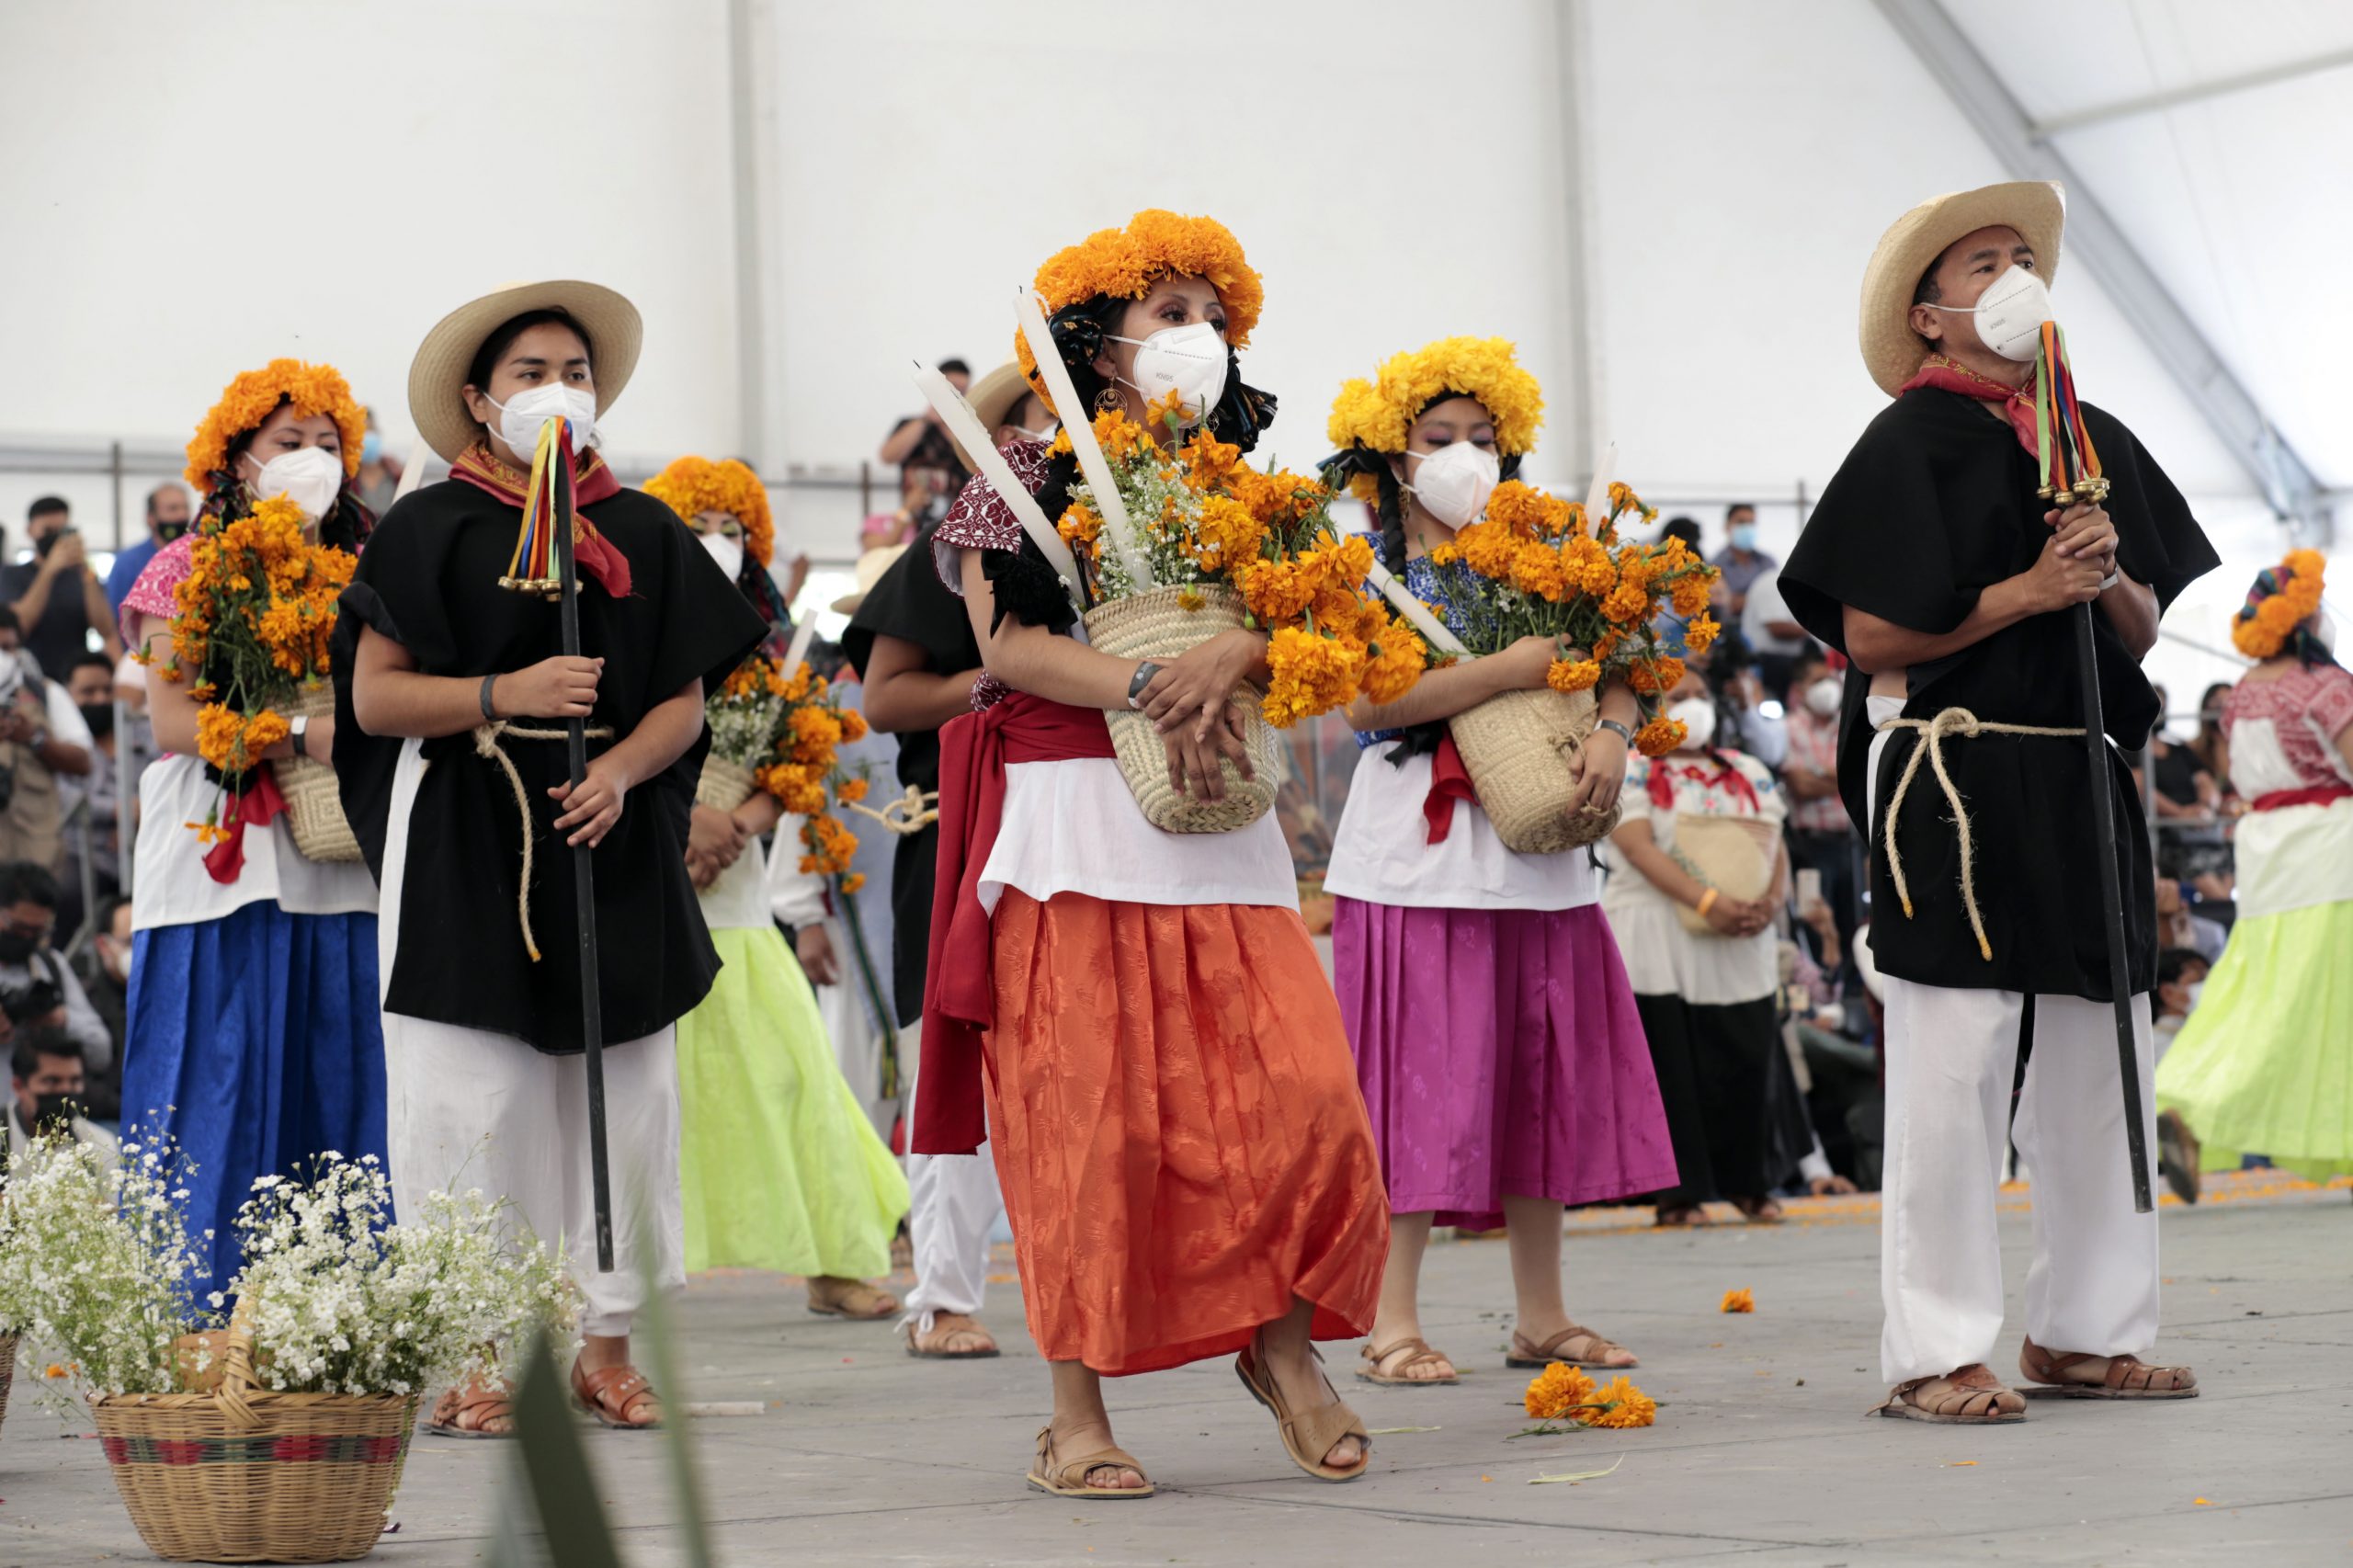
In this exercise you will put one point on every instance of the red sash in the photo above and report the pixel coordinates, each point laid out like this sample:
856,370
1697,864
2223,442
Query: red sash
2313,795
959,1000
1449,782
257,807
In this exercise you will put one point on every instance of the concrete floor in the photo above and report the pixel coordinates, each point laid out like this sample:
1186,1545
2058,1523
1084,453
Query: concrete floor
1762,1452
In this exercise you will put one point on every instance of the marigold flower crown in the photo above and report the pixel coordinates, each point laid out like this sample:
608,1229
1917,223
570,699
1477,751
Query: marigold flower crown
692,485
1377,415
2283,598
1123,264
245,402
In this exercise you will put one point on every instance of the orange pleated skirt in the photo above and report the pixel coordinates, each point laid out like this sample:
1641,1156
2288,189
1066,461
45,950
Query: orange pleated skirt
1178,1129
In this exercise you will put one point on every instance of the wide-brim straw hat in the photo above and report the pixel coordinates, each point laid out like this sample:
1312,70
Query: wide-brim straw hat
437,378
2036,209
993,399
870,567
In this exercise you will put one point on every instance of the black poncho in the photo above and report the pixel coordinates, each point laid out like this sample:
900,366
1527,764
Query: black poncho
428,580
1936,503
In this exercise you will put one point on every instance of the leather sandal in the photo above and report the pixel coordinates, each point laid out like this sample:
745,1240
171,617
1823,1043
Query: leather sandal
1306,1437
943,1335
1417,1352
1067,1478
619,1397
477,1410
1680,1216
852,1299
1576,1347
2126,1377
1945,1400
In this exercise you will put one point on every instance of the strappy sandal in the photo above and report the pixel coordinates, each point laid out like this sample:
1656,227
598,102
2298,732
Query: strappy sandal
852,1299
1943,1401
1763,1211
2127,1377
1068,1479
1590,1350
1307,1439
1420,1354
1681,1216
614,1396
949,1332
470,1411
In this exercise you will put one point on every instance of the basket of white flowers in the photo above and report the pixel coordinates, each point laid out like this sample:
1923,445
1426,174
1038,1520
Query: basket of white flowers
282,1439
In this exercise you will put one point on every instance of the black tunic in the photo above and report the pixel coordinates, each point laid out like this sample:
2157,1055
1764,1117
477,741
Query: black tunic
1936,503
911,602
428,580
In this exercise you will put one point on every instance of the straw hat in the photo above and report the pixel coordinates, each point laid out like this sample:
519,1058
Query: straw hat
993,397
437,378
870,567
2036,209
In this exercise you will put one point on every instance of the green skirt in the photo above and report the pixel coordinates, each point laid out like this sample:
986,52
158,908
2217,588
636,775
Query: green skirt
2264,1066
781,1167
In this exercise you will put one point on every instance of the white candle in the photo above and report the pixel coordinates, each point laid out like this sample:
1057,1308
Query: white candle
1416,614
965,425
1596,500
1080,428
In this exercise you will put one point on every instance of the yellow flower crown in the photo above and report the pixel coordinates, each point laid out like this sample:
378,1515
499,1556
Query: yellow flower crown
690,486
250,399
1125,263
2285,597
1378,413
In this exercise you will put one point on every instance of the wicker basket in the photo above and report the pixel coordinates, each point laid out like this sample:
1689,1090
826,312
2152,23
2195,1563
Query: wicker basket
724,784
242,1474
8,1371
1520,749
313,802
1155,626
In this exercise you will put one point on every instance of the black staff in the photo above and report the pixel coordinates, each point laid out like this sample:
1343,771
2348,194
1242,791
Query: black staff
583,869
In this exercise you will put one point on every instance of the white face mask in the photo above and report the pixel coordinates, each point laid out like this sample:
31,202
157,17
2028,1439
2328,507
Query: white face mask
728,552
2192,991
1187,360
1823,696
520,416
1698,715
1043,437
2010,313
309,478
1453,482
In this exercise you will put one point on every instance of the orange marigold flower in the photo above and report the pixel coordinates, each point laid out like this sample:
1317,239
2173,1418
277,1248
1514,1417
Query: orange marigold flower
1621,1405
1701,631
254,395
1573,674
1396,664
1653,677
1688,596
1626,603
1558,1391
854,726
853,882
1660,736
1537,570
850,792
1740,1300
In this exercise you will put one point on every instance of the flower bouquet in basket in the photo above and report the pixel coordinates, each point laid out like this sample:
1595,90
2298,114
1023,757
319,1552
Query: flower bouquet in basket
1535,565
279,1438
1219,545
250,632
782,733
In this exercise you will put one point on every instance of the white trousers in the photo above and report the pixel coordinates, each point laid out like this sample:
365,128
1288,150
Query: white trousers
1951,1060
469,1108
955,1201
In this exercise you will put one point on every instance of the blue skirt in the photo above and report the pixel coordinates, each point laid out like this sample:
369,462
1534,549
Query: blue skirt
256,1042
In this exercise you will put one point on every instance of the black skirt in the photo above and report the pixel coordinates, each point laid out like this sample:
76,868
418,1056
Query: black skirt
1715,1080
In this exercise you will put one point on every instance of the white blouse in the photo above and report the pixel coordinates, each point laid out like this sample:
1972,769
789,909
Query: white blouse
1662,958
169,869
1381,852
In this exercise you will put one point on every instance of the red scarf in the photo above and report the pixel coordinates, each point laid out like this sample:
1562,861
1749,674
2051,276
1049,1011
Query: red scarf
592,481
1449,782
257,807
2014,403
959,1000
1663,774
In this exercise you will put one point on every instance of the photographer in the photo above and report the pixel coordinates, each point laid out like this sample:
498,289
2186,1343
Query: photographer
36,989
57,599
46,1072
43,735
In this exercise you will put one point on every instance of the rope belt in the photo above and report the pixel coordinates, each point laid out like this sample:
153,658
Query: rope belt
1952,721
486,745
907,815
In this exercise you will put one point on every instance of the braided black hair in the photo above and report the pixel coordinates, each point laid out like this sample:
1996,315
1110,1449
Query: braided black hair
1389,506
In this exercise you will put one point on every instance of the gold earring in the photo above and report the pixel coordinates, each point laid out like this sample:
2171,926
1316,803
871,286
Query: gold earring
1107,401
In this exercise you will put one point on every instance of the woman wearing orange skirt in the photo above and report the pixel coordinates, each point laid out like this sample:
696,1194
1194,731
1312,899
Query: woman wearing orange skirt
1186,1159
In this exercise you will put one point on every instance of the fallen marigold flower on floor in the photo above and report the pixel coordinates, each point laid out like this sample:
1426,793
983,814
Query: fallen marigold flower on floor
1558,1391
1739,1300
1618,1405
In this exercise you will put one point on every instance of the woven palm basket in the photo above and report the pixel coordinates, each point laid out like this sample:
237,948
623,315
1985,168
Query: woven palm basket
242,1474
313,802
1521,749
8,1371
1155,625
724,784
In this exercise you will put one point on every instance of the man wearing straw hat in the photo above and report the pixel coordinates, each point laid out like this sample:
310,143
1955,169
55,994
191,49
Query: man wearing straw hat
1951,587
449,658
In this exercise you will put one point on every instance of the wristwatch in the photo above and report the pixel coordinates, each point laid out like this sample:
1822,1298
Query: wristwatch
1143,678
1615,728
298,733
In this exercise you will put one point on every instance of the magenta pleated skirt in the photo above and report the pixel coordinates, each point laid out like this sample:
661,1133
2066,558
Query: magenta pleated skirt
1500,1054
